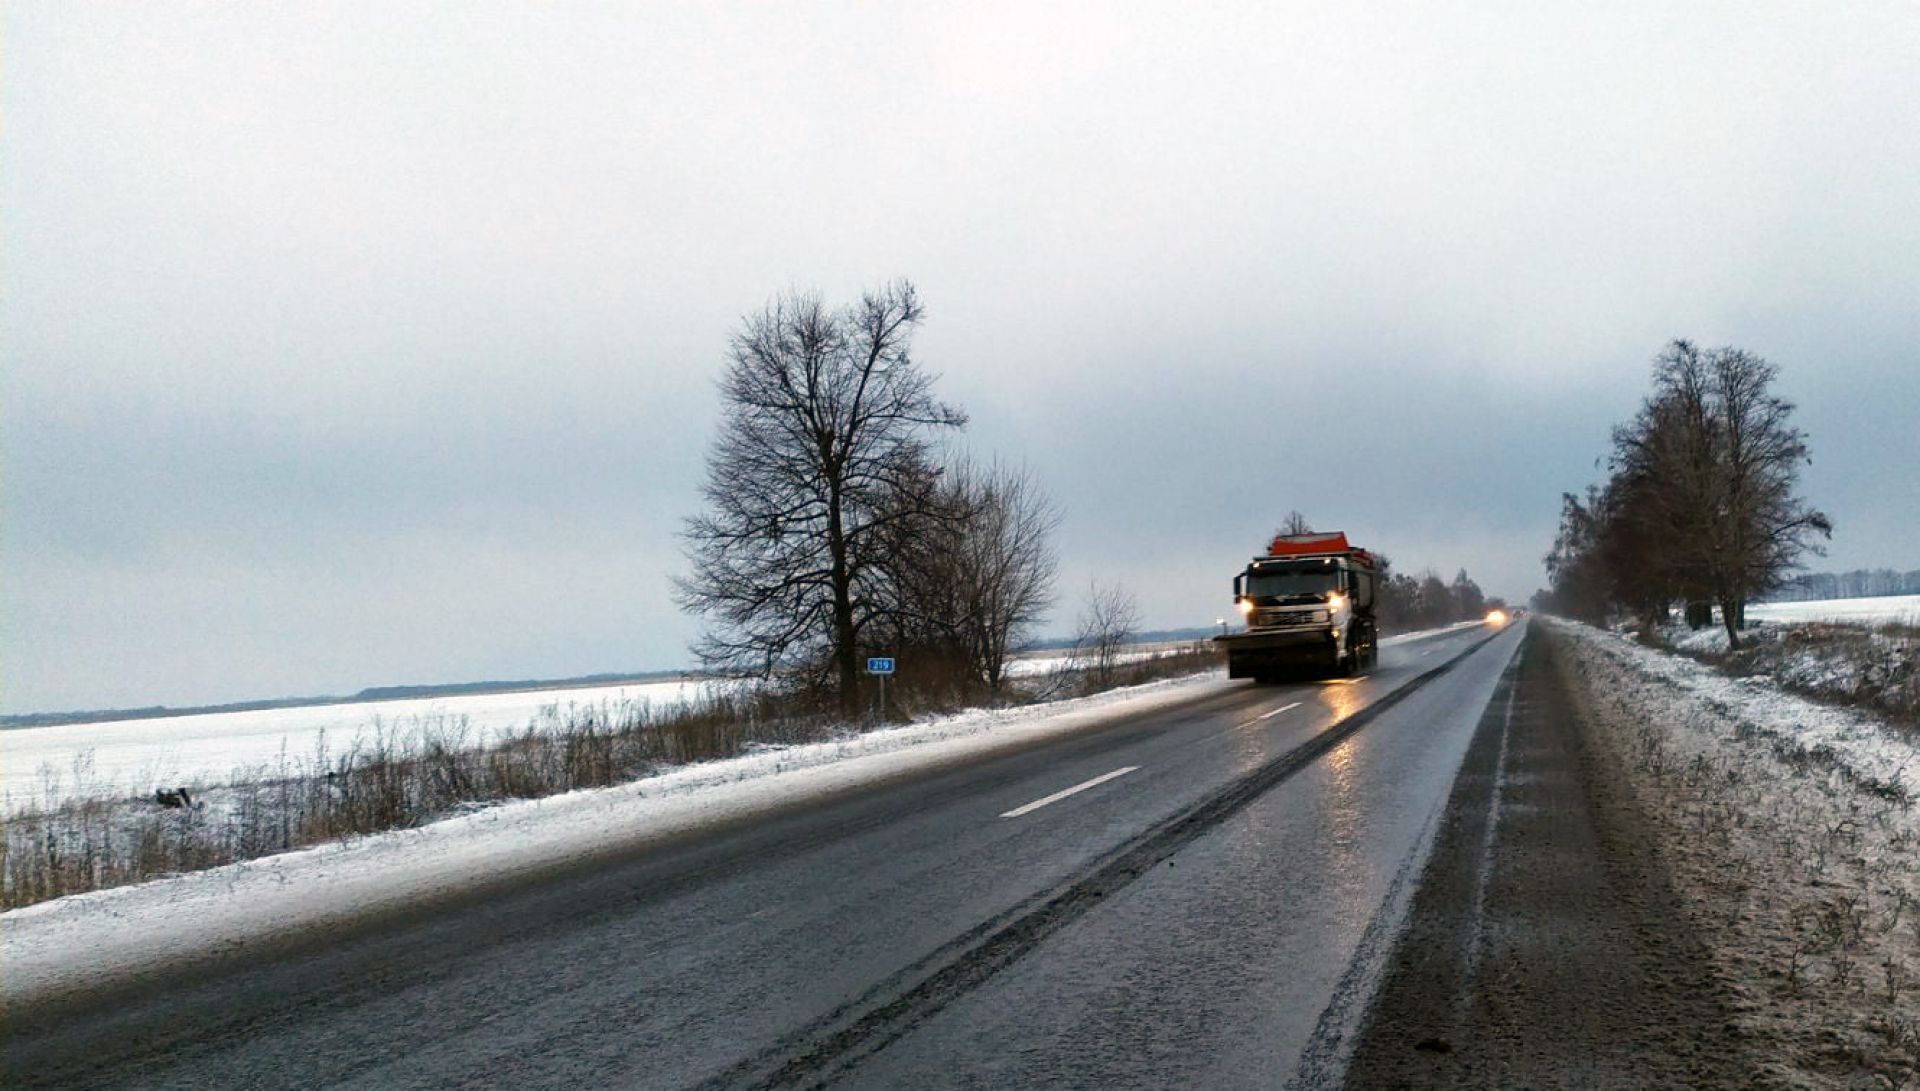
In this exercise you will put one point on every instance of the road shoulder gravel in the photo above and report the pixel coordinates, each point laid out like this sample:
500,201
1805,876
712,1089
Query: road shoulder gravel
1546,946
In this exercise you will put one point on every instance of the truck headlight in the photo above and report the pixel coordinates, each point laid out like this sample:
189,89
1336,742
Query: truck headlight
1246,606
1335,601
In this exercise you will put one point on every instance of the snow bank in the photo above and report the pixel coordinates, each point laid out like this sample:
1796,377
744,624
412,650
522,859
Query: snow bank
1841,662
1866,744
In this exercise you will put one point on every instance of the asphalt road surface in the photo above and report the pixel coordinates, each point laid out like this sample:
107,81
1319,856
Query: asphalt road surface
1202,896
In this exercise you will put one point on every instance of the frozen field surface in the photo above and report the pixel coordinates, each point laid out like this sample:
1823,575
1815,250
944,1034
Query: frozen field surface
1903,608
119,757
40,765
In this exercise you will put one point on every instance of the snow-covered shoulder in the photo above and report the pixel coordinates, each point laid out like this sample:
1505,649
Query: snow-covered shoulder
1870,747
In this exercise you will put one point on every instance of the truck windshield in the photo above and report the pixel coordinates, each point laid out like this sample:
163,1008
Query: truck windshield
1288,582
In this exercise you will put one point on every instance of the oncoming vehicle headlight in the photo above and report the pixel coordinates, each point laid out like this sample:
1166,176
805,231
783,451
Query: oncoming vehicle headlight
1496,617
1246,606
1335,601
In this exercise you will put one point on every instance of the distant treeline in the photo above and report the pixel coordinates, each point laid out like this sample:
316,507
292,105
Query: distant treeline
1151,636
377,693
1861,583
1410,603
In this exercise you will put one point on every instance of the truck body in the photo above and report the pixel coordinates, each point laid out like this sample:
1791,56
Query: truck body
1308,603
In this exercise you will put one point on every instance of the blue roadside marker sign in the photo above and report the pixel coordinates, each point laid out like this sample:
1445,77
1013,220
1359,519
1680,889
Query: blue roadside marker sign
880,665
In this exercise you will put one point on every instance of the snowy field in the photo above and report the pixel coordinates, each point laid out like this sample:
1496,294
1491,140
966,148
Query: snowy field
42,765
133,757
1900,608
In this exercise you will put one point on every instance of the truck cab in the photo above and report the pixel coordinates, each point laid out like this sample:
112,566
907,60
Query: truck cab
1308,602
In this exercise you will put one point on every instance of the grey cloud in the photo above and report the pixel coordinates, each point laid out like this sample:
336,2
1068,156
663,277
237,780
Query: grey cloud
347,345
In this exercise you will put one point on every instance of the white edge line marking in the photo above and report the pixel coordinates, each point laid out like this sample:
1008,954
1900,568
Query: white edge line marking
1065,792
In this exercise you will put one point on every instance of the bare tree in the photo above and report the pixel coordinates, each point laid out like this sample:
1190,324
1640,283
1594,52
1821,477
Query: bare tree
1106,625
978,579
1716,460
1700,501
1006,562
823,451
1295,523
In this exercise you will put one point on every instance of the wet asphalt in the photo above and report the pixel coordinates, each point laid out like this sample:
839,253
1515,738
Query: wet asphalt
1218,914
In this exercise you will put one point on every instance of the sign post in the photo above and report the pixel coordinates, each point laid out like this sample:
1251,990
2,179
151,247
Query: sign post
880,667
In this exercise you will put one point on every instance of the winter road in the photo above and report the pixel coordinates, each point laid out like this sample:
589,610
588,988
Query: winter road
1202,896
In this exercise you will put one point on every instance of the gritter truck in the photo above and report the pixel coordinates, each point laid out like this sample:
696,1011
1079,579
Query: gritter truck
1307,603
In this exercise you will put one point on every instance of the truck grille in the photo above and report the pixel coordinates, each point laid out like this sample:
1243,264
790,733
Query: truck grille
1277,619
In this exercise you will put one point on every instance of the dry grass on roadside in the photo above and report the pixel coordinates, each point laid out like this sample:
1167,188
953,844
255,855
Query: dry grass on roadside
398,775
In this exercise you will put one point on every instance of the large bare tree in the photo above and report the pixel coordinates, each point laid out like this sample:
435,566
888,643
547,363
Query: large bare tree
1703,483
823,452
1761,528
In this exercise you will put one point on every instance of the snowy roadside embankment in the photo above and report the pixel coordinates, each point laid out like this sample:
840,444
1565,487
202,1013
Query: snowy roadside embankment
83,941
1866,745
1790,831
1876,668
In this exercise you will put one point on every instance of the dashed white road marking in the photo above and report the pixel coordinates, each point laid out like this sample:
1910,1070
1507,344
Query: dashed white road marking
1271,715
1065,792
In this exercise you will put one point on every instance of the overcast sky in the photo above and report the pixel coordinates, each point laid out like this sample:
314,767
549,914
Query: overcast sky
360,344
